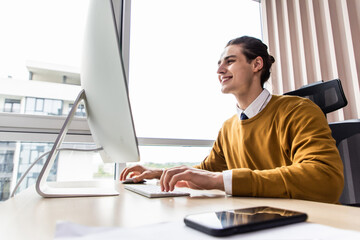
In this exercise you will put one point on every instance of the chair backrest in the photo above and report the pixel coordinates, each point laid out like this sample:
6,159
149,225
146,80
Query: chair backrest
347,136
329,95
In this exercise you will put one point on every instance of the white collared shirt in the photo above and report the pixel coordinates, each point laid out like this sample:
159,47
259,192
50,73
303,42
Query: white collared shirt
251,111
256,106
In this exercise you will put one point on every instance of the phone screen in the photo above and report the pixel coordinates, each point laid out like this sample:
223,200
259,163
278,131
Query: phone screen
242,220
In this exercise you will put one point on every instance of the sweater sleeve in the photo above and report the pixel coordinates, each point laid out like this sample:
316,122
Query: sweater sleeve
316,170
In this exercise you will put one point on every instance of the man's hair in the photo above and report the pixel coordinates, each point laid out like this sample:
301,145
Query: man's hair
252,48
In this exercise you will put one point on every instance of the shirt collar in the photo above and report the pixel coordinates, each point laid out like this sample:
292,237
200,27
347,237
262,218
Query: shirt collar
257,105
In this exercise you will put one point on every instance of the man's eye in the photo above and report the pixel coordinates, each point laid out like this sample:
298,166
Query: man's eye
230,61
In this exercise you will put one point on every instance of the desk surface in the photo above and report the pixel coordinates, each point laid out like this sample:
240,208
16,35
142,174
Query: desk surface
29,216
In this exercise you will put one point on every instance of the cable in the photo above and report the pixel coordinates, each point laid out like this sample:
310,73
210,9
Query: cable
26,172
81,150
44,154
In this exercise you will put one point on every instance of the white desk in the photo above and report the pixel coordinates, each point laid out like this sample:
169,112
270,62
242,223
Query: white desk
29,216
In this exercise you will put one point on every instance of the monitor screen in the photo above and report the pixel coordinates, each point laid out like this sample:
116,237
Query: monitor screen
104,81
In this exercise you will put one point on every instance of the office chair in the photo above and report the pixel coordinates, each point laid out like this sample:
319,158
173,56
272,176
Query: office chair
329,96
347,136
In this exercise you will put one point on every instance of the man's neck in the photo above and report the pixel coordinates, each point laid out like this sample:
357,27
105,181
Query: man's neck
245,100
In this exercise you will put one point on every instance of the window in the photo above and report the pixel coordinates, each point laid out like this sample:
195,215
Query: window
12,105
174,91
174,49
43,106
80,111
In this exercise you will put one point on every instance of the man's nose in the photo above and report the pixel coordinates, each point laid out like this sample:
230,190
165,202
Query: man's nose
221,69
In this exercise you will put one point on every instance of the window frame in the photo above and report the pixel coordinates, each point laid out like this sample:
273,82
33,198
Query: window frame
12,102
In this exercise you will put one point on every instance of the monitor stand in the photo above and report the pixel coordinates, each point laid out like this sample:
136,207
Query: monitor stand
86,189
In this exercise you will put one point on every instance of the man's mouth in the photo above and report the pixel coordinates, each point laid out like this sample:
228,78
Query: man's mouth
225,79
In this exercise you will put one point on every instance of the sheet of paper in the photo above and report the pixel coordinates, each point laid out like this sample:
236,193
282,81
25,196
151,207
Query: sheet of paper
178,231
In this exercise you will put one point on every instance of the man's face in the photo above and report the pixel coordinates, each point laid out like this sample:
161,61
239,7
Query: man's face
234,72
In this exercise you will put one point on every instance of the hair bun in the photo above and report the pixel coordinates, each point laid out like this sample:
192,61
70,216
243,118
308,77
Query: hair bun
272,59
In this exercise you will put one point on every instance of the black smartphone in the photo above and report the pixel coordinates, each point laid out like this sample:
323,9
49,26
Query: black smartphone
230,222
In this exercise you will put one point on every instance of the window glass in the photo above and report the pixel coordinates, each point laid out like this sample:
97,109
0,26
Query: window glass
53,107
7,150
30,104
174,50
48,106
57,107
7,107
174,91
16,107
80,111
170,156
39,107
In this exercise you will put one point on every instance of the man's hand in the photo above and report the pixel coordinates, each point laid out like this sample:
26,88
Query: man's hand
139,173
190,177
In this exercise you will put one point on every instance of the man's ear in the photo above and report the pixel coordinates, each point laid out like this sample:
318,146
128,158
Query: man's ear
258,64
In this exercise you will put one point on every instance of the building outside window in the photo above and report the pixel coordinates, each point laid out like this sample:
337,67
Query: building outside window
7,150
29,152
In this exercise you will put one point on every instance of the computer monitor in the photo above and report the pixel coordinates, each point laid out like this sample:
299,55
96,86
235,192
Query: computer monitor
104,81
105,93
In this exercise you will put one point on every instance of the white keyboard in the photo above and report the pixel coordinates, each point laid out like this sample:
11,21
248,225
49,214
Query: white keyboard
153,191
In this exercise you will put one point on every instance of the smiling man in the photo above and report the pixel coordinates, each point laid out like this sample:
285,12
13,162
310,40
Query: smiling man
275,146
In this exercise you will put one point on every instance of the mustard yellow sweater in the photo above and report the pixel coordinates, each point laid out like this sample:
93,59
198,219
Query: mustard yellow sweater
285,151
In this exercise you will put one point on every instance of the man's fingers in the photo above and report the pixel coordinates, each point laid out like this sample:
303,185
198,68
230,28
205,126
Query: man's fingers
123,174
167,176
181,176
149,174
197,179
134,169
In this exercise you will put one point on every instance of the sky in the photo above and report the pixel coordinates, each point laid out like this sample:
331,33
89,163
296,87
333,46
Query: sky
40,30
